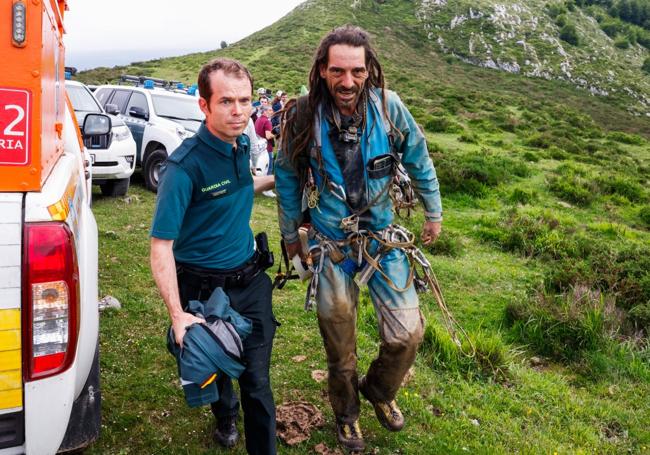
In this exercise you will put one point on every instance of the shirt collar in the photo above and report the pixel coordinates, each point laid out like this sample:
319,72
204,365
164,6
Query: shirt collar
224,148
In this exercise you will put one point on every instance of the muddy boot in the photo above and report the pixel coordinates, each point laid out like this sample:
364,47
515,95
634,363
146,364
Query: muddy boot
387,413
226,433
349,435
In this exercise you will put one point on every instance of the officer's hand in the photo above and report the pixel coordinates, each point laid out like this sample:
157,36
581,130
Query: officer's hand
430,231
295,248
181,322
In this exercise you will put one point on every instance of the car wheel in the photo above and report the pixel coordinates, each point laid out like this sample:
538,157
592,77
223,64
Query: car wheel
114,188
152,165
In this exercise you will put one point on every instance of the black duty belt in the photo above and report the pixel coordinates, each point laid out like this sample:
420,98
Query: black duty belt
209,279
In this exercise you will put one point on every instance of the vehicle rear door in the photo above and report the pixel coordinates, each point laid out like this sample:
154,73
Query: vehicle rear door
137,115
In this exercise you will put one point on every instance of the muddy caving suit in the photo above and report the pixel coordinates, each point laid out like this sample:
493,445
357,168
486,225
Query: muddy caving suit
337,239
204,204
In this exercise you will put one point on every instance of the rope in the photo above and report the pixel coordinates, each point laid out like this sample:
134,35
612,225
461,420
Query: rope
394,236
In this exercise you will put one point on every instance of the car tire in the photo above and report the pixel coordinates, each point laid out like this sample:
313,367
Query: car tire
152,165
115,188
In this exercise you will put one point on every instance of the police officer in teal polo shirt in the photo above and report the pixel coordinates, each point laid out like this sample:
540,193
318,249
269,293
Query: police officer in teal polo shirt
201,239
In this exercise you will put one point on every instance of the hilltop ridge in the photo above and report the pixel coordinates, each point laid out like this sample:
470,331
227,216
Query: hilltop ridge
432,43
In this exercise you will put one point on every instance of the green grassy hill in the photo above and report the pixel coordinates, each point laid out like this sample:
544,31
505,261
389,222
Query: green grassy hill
545,256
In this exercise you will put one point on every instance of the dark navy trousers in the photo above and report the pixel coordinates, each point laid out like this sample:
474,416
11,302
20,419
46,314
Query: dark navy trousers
252,301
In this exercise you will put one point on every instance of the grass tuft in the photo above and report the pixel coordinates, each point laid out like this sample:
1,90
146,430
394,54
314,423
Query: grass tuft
564,326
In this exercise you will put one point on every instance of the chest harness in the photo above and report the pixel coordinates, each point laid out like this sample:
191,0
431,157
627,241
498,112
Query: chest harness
398,187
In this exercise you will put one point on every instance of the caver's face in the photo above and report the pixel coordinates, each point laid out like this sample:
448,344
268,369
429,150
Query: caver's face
227,114
345,75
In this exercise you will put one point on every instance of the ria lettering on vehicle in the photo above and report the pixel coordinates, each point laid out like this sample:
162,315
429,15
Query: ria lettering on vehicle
14,126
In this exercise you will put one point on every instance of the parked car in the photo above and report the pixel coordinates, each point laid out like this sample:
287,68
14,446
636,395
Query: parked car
113,157
159,119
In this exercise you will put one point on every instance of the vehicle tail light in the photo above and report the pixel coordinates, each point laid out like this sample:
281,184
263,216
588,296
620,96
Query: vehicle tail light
50,298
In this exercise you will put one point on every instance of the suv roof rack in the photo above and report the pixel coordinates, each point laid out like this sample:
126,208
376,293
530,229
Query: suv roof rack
142,81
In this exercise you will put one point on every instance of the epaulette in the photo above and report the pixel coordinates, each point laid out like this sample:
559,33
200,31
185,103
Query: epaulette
183,150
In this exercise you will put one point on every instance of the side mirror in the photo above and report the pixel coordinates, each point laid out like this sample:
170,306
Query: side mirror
112,109
96,125
138,112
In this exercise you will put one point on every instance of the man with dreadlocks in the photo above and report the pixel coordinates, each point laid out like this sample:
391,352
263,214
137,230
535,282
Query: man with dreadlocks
343,146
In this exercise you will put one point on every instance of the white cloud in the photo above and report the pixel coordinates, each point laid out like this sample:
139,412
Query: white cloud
112,32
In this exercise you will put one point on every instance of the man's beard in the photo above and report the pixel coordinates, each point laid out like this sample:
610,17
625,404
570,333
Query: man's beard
352,103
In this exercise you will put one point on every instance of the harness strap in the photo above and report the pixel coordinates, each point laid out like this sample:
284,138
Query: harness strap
394,236
281,278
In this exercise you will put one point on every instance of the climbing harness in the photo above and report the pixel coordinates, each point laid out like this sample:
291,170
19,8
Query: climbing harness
421,274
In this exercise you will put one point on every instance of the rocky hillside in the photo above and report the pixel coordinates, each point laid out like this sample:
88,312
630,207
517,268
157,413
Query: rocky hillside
525,38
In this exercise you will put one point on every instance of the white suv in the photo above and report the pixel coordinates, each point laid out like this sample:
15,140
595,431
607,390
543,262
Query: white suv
158,118
112,156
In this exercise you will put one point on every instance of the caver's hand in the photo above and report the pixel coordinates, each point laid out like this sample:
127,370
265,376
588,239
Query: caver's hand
295,248
430,231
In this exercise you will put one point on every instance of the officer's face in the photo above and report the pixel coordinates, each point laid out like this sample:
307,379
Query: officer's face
345,75
226,116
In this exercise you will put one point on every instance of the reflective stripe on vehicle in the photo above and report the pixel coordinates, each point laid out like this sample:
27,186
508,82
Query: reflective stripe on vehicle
11,394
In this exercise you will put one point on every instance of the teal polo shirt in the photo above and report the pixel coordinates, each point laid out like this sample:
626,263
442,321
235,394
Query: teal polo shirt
205,200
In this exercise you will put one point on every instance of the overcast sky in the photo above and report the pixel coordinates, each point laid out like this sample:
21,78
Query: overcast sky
117,32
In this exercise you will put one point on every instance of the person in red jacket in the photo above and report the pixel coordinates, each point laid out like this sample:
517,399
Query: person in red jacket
263,129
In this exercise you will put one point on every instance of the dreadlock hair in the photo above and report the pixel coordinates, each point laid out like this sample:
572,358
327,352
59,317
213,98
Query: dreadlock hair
349,35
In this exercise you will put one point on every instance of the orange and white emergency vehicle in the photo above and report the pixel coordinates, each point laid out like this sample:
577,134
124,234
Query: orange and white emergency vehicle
49,325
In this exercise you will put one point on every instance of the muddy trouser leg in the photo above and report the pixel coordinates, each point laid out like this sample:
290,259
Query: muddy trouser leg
400,327
254,302
336,301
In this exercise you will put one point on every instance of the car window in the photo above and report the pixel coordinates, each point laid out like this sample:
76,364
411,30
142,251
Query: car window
137,100
120,98
177,107
102,95
82,100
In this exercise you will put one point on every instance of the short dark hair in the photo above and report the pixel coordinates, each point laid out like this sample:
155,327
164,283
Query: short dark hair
228,66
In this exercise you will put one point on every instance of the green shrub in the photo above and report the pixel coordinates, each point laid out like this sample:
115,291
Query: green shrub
530,156
640,314
442,125
542,141
622,186
622,42
557,153
533,233
561,20
569,34
627,359
491,359
573,188
646,65
468,137
644,215
555,9
563,326
450,244
566,273
475,172
625,138
522,196
611,28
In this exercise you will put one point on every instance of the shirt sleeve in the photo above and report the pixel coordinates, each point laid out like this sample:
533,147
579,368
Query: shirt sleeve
174,196
287,187
415,158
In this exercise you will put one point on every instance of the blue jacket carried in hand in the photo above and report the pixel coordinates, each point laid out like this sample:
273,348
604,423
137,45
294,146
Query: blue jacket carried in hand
210,349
